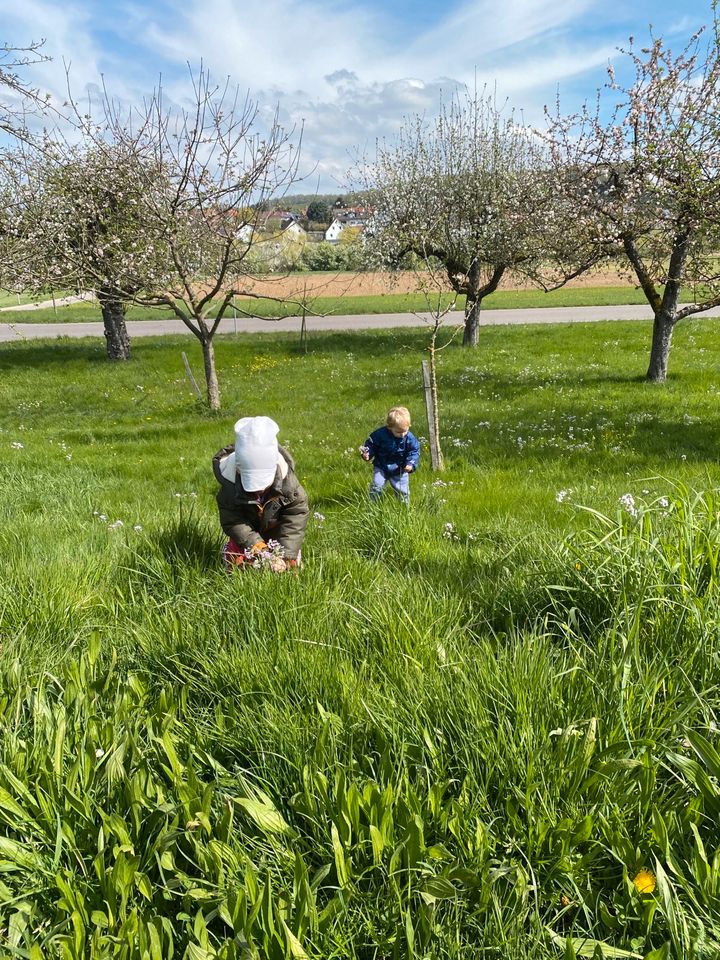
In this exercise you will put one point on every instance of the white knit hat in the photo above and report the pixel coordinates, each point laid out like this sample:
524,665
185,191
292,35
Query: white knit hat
256,451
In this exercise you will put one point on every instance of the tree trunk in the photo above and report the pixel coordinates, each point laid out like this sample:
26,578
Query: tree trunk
475,292
471,334
664,308
213,387
116,335
663,326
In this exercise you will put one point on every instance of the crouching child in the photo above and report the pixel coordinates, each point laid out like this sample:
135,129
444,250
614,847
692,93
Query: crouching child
262,504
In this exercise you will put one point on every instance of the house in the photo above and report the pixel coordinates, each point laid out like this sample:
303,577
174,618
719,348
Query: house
356,216
281,215
292,230
332,234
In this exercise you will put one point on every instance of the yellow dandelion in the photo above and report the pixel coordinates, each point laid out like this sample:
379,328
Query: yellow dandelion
644,880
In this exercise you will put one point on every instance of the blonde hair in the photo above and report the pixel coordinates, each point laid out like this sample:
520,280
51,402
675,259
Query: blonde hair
399,417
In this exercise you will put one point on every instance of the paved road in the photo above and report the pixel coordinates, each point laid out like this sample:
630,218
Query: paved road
155,328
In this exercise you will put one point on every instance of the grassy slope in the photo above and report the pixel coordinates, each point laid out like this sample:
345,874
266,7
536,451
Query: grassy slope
401,655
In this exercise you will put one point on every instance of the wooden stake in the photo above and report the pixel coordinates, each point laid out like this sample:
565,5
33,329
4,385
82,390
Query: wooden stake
435,458
303,329
191,378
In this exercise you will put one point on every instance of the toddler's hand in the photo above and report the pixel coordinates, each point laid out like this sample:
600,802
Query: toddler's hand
408,469
364,453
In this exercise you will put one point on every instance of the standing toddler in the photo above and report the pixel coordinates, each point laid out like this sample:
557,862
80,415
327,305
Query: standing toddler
394,452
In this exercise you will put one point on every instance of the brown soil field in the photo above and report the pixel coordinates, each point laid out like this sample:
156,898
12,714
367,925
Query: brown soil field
299,286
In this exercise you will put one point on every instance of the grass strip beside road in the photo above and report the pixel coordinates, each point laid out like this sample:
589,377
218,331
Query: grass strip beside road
339,306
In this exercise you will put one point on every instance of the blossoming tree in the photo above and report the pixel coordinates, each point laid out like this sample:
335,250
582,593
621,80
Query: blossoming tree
18,100
218,161
645,179
158,208
80,213
470,190
17,97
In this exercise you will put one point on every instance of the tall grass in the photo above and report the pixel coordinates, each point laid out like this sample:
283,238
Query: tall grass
461,731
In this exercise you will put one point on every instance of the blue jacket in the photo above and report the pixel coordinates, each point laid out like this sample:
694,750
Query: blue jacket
392,454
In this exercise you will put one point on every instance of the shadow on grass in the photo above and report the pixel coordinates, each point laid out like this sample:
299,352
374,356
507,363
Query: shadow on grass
183,543
57,352
187,541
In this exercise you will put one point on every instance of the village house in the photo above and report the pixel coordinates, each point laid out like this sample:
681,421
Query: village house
332,234
292,230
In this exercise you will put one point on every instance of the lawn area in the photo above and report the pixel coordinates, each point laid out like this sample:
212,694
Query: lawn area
379,303
485,726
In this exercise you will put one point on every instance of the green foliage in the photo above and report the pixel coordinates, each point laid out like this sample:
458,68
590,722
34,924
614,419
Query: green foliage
330,256
318,211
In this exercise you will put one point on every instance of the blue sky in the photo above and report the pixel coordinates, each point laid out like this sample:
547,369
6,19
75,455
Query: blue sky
348,70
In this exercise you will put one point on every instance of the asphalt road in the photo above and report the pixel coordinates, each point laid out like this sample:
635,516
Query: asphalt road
154,328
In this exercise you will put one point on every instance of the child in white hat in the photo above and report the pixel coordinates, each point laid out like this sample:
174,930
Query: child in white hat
263,506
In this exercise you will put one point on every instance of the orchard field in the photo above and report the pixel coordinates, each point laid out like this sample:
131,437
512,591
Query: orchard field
485,726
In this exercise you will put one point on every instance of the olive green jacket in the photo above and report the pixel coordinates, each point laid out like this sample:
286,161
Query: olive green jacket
282,516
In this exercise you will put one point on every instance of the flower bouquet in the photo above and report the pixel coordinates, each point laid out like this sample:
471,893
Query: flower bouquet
267,556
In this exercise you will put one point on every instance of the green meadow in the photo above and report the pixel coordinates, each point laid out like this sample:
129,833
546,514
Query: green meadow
484,726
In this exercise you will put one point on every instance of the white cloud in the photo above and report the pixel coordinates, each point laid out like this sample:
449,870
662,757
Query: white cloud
268,45
282,46
347,70
349,76
482,28
66,30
